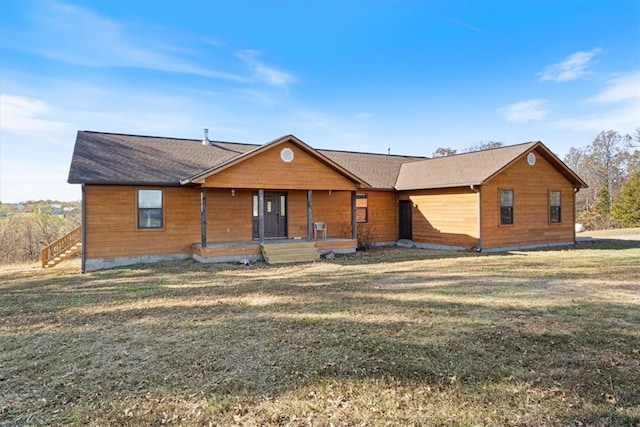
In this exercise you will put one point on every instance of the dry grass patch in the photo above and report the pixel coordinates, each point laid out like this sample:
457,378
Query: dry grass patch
391,336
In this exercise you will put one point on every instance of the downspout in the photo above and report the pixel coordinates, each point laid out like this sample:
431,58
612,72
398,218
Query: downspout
477,190
83,230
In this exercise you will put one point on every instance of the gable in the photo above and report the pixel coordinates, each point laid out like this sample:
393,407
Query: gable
475,168
272,168
522,175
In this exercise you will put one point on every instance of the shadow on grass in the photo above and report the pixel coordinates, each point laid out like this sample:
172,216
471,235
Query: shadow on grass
111,341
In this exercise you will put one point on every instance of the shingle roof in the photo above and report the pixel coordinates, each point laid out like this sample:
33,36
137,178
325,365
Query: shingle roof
475,168
107,158
458,170
379,170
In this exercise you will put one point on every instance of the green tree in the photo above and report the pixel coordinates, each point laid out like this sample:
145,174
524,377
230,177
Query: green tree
626,208
603,201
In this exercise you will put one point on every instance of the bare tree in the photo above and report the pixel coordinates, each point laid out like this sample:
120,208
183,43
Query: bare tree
608,158
444,151
484,145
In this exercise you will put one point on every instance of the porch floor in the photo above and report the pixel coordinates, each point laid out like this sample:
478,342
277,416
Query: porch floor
252,250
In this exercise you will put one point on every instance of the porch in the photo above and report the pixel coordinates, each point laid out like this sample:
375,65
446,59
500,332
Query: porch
272,251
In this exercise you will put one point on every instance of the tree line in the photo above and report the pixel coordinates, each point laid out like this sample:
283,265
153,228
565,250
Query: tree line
25,228
610,165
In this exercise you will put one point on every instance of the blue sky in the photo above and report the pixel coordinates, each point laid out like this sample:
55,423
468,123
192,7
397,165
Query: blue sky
411,76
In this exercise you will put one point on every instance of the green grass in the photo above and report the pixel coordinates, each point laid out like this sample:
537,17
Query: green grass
387,337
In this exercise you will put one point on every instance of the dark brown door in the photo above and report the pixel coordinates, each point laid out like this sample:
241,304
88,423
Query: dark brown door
406,220
275,216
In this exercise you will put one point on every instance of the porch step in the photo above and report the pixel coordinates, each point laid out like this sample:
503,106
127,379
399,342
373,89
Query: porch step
278,253
68,253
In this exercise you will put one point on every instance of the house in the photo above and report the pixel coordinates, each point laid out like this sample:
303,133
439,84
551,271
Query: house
150,198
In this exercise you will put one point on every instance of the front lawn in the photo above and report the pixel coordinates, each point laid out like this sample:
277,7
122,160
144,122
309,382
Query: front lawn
394,336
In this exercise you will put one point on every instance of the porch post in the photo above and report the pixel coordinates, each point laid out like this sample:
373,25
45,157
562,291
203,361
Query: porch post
203,217
309,214
261,215
354,217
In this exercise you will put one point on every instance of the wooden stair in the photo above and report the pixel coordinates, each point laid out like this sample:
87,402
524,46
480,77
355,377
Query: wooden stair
280,253
62,249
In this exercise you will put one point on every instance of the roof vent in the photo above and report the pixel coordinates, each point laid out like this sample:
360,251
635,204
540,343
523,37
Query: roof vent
205,140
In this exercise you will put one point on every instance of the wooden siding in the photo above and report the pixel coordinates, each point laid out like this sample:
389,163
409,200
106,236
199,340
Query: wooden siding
382,215
335,210
229,218
111,222
297,220
249,249
268,171
336,245
530,185
444,216
229,215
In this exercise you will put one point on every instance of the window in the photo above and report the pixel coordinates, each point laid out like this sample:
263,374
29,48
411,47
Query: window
150,209
362,208
255,205
506,207
555,211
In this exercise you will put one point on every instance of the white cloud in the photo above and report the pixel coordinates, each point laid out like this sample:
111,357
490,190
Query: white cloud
364,115
22,114
575,66
617,107
625,87
262,71
79,36
525,111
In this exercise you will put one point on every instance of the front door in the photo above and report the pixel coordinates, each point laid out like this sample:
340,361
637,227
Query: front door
275,216
406,220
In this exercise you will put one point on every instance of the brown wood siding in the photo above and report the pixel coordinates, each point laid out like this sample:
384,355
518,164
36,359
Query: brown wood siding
266,170
229,215
335,211
445,216
325,245
297,220
227,251
382,215
111,228
530,185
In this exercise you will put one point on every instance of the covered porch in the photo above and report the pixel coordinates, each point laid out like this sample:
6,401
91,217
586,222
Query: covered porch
272,200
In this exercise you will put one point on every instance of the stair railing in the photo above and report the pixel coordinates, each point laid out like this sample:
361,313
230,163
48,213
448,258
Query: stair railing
57,247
